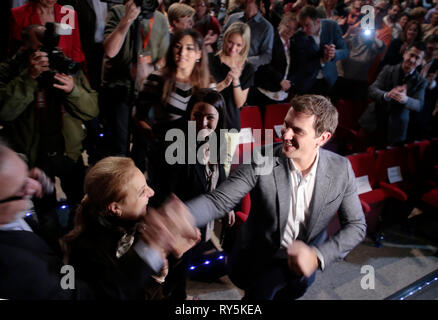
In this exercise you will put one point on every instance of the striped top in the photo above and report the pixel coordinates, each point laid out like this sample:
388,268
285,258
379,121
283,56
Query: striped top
175,106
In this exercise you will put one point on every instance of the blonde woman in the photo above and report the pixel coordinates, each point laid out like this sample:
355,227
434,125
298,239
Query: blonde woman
234,76
113,246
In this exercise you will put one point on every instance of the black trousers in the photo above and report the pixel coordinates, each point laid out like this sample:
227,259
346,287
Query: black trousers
277,282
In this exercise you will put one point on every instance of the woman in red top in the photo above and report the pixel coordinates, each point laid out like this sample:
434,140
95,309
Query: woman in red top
40,12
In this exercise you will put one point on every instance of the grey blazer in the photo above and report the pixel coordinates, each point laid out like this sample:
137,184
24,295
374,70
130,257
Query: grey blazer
391,114
260,236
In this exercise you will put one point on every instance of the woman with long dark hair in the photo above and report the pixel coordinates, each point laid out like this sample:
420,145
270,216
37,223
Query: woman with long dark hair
162,104
206,115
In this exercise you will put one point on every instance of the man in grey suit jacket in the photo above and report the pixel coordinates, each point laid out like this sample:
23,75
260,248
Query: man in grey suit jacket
283,241
398,91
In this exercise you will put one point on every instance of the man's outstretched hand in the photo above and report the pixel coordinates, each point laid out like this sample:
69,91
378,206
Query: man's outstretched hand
170,228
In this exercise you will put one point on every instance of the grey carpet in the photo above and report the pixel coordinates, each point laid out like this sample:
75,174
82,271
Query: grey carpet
401,260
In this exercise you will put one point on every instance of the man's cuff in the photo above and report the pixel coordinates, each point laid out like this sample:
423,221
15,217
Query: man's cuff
149,255
385,96
320,258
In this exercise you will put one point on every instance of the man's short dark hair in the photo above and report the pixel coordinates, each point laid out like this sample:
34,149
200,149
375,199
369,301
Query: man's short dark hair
326,115
308,12
432,38
417,44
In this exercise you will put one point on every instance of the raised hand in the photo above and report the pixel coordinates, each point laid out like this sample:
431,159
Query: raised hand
38,63
131,12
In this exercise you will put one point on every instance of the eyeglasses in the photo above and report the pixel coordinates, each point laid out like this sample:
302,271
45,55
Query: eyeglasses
13,198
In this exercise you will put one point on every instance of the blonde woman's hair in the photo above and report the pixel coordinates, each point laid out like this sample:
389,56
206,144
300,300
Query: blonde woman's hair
179,10
106,182
239,28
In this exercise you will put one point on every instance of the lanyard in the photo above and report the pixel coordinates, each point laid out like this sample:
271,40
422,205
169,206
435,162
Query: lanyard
148,35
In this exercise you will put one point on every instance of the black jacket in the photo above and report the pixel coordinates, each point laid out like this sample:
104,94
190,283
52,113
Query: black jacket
270,75
30,270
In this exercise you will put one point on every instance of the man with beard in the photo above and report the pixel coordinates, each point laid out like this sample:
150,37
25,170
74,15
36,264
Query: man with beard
293,199
391,21
398,91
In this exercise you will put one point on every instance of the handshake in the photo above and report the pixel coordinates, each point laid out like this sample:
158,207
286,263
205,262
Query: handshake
170,228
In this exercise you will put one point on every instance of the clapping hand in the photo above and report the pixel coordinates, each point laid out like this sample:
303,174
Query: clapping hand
398,94
329,52
235,73
431,77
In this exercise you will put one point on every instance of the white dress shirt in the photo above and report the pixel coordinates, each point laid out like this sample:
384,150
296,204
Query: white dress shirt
317,39
18,224
299,211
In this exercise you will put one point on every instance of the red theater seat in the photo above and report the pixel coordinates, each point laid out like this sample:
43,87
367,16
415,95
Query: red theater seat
250,117
431,198
364,164
274,115
394,157
243,214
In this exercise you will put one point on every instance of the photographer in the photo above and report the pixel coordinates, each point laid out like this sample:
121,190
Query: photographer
363,46
41,12
43,108
121,53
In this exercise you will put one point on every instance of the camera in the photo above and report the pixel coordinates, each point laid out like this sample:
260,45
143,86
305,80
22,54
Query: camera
59,62
147,6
